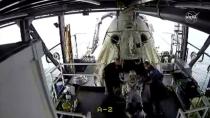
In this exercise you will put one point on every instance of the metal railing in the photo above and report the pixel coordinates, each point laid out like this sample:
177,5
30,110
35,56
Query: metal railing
73,114
196,111
182,114
61,74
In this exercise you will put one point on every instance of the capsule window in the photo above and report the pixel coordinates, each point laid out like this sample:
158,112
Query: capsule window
115,39
143,38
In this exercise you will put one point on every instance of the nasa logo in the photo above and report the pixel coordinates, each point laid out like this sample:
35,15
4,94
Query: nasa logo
191,17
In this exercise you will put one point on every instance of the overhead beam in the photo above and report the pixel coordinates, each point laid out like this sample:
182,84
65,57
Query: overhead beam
89,1
178,15
7,24
197,5
201,51
77,12
138,2
12,17
56,7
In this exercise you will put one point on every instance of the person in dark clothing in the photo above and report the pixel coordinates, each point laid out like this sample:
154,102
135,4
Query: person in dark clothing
112,76
157,88
152,72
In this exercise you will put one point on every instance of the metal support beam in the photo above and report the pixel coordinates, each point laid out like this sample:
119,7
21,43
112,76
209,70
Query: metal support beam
62,37
201,51
24,29
185,31
36,36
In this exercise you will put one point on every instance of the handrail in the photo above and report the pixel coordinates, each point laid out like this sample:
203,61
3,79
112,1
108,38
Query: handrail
82,74
195,110
79,64
71,114
52,69
71,64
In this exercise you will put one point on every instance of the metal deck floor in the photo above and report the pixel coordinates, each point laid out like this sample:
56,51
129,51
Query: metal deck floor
92,99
